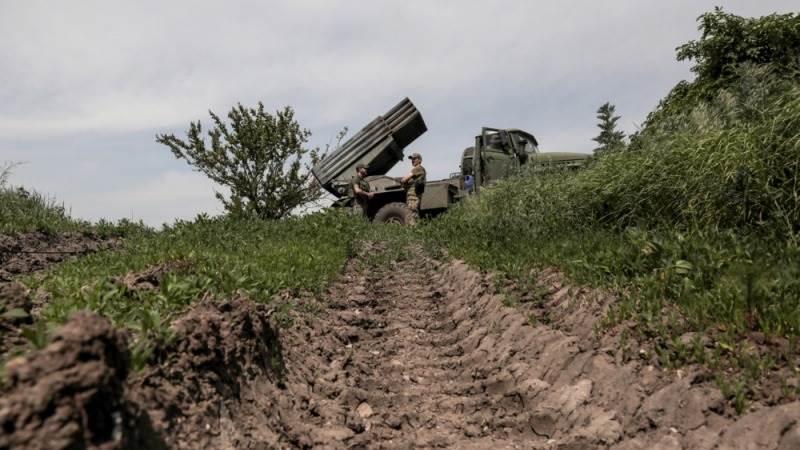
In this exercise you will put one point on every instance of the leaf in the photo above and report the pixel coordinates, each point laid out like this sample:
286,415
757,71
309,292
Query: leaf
16,313
682,267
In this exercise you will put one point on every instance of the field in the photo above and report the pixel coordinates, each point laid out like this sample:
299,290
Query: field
648,300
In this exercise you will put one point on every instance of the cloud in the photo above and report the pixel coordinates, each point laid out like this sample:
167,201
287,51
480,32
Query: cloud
84,86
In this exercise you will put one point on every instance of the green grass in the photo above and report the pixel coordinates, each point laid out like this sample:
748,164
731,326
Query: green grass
697,224
24,210
217,257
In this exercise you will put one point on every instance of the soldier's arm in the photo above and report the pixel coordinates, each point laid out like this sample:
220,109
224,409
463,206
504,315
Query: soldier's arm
414,174
360,192
408,177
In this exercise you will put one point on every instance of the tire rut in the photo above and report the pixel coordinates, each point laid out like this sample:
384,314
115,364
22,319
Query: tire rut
402,354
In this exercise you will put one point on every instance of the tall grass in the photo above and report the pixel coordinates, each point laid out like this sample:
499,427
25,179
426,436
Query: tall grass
696,224
24,210
730,163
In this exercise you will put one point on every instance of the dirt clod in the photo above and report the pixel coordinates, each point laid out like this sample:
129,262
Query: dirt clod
69,395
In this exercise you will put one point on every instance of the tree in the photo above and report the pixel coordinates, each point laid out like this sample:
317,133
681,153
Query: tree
728,44
728,41
259,157
609,138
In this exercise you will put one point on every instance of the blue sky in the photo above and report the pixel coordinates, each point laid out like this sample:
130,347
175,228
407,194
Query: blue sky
85,86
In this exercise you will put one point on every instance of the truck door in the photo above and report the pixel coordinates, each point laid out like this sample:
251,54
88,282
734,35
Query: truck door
498,158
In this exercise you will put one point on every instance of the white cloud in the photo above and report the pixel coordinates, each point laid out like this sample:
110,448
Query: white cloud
80,80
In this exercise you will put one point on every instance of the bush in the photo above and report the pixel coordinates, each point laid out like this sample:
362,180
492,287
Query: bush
258,157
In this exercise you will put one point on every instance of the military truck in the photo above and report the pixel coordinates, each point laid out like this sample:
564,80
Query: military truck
501,153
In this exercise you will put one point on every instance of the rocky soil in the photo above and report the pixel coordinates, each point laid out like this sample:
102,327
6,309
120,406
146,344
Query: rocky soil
409,354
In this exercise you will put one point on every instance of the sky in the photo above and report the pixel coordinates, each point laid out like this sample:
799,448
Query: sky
86,86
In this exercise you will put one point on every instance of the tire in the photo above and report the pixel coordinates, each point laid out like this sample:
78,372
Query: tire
396,212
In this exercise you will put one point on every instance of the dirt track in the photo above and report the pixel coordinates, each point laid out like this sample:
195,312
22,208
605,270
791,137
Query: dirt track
400,358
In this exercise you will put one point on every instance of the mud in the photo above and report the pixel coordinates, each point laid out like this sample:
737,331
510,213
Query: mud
26,253
395,358
70,395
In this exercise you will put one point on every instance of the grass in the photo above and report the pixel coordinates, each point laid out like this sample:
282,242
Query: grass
23,210
217,257
697,224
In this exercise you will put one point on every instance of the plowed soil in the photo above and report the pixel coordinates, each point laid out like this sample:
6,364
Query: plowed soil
409,354
27,253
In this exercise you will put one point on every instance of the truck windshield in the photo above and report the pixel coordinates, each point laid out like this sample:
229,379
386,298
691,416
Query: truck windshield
524,143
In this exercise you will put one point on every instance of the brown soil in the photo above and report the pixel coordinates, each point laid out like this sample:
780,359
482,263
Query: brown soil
26,253
392,358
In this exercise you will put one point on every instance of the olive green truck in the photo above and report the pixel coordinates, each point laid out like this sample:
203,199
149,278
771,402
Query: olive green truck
497,154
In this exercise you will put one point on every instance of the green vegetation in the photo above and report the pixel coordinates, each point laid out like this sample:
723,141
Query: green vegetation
258,157
23,210
609,139
697,223
178,266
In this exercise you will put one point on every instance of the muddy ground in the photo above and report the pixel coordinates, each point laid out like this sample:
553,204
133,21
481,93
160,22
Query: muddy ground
407,354
27,253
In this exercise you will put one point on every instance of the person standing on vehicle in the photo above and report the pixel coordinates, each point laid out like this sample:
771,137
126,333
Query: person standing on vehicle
359,190
414,183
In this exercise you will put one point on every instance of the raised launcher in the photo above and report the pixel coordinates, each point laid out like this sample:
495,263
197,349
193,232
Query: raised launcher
379,145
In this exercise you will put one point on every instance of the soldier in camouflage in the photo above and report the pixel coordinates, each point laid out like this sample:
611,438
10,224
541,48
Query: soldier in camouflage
414,183
359,190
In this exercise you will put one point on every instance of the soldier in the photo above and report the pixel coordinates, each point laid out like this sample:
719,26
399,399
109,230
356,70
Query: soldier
359,190
414,183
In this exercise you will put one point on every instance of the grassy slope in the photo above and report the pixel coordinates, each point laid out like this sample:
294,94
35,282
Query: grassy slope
23,210
207,256
698,225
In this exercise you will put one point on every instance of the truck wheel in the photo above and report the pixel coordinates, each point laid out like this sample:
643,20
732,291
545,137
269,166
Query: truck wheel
396,212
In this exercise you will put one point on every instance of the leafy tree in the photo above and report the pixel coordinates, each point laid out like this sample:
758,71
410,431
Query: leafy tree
729,46
727,41
259,157
609,138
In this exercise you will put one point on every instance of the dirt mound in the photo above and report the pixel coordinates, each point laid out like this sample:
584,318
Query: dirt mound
225,355
69,395
76,393
29,252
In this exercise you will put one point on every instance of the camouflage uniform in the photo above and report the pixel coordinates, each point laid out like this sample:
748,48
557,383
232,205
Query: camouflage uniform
359,202
414,188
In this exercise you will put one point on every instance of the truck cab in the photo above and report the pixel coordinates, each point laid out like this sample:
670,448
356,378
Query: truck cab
504,152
